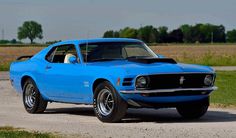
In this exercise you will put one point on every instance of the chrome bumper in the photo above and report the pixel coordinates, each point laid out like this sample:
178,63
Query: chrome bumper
169,90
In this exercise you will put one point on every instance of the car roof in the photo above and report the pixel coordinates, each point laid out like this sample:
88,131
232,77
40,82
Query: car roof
96,40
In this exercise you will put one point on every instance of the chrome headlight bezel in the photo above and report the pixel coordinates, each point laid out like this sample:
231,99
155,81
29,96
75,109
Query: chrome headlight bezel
209,80
142,82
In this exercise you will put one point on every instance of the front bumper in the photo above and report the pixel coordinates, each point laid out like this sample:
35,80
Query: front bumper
168,90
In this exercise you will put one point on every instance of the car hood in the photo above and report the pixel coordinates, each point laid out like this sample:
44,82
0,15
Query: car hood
153,68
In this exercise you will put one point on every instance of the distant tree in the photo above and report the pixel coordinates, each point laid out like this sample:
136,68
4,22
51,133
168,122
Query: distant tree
219,34
231,36
187,33
52,42
128,32
111,34
148,34
108,34
175,36
4,41
30,30
13,41
203,33
163,34
196,34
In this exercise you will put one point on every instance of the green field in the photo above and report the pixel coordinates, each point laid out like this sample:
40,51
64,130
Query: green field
226,94
10,132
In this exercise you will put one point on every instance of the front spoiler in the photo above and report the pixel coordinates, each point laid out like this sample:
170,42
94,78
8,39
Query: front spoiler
168,90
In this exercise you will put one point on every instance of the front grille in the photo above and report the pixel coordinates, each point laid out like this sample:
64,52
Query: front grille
168,81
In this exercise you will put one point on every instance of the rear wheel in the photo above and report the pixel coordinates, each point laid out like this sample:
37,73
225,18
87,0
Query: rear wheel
108,105
194,110
32,99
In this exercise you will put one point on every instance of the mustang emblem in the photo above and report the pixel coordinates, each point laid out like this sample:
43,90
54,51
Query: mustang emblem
181,80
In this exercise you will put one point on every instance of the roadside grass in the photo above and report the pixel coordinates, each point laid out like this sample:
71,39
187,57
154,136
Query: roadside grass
225,96
209,59
10,132
4,66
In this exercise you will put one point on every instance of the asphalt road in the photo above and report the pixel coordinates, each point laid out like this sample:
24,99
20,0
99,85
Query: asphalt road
79,120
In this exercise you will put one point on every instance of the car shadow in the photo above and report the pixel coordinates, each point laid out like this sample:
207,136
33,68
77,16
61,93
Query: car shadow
85,111
172,116
151,115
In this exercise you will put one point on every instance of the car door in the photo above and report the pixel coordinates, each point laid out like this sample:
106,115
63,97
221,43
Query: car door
62,79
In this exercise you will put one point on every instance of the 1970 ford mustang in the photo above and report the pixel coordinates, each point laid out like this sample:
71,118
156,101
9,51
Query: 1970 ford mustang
113,74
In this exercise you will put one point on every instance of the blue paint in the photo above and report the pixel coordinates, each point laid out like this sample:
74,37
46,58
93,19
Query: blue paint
74,82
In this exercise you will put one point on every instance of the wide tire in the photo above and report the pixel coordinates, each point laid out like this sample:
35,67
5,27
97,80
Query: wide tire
32,99
107,103
193,110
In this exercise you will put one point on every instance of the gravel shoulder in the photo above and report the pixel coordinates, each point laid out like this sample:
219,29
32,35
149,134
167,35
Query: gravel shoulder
79,120
225,68
4,75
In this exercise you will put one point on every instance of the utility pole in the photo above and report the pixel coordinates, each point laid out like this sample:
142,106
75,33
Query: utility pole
141,35
212,37
3,34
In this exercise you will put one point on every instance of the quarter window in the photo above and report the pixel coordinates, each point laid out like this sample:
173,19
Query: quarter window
58,54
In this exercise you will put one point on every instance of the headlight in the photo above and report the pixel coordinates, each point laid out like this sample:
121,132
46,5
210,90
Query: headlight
142,82
208,80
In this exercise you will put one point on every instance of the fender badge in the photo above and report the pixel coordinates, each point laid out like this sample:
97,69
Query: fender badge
86,84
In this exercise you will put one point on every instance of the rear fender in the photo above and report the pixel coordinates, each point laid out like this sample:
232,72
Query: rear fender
35,80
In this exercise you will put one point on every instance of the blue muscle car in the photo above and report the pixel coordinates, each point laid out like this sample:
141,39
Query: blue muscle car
113,74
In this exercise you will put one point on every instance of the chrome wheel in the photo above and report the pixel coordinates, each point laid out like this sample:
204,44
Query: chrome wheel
105,102
30,95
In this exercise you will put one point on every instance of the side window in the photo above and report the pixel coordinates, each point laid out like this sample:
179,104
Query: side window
59,53
100,51
49,56
91,50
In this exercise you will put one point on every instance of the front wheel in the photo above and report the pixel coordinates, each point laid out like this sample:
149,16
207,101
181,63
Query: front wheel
193,110
107,103
32,99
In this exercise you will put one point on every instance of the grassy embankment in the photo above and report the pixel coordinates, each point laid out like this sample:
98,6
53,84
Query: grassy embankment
9,54
10,132
206,54
225,96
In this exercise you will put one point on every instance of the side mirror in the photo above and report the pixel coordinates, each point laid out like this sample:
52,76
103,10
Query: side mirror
160,56
73,59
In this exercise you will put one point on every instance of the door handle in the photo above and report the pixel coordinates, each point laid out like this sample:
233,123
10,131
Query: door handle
48,67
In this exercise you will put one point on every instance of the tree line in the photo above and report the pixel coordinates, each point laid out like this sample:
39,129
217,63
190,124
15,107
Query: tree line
198,33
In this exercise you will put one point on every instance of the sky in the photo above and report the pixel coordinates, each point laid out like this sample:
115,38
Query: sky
78,19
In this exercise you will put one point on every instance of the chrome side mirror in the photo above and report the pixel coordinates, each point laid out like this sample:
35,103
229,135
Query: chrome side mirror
73,59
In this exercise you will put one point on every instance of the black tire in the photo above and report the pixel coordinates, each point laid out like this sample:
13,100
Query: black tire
32,99
116,110
193,110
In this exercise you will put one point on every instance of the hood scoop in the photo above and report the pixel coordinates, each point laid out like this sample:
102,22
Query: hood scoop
152,60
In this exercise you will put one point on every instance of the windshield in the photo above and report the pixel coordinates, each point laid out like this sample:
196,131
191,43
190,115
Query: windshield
114,50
